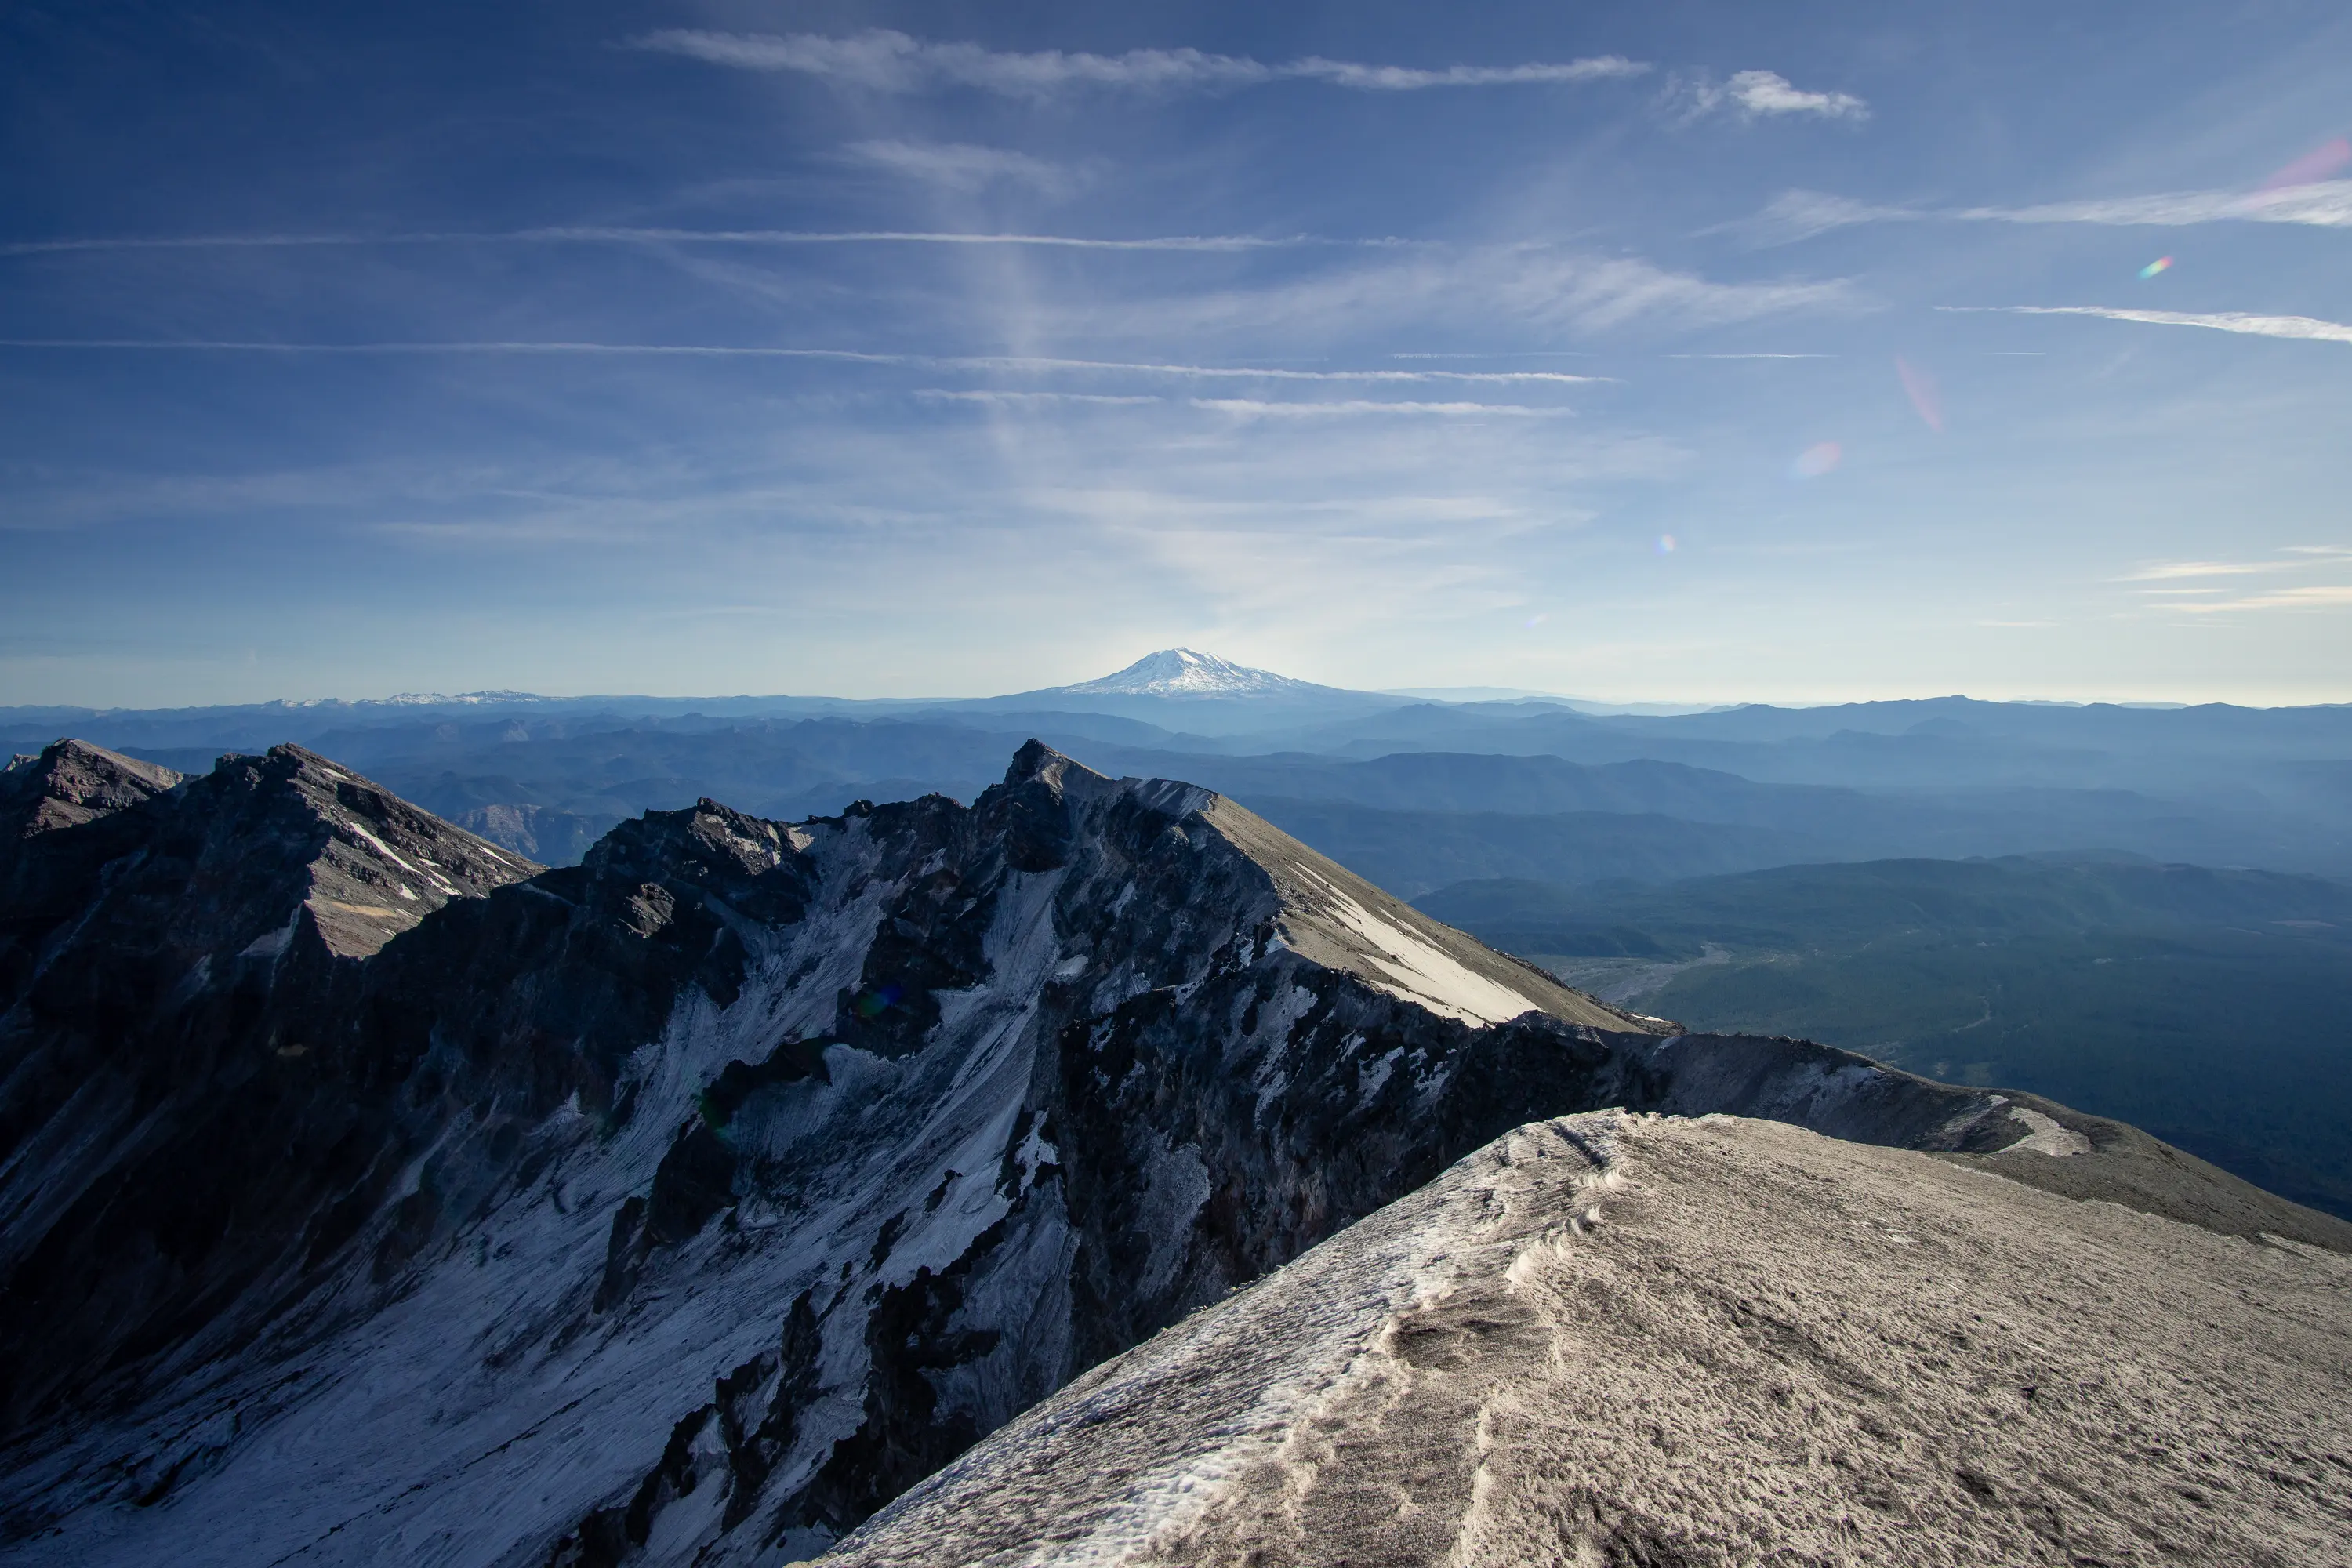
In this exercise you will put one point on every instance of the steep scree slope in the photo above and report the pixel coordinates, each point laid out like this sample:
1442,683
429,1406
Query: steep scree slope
692,1203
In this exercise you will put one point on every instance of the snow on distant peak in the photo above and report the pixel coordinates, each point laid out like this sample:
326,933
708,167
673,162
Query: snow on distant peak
408,699
1180,672
458,700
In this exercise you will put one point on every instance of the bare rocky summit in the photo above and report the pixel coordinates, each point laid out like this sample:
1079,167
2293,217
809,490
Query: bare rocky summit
71,782
369,1193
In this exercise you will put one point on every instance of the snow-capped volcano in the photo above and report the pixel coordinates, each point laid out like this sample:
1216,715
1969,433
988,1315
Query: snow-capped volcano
1180,672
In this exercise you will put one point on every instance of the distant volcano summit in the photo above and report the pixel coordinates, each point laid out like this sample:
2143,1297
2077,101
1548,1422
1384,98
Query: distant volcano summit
1182,672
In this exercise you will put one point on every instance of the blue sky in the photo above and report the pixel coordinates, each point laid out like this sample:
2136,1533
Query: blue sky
1679,351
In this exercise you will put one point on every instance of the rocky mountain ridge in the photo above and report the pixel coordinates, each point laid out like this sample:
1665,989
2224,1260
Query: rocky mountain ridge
692,1203
1657,1340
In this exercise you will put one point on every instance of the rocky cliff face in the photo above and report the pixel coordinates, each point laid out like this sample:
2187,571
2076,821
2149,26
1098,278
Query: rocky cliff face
47,876
72,783
168,1128
364,1196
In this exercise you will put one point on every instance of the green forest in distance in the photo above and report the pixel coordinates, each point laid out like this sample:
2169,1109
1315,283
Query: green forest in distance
2211,1006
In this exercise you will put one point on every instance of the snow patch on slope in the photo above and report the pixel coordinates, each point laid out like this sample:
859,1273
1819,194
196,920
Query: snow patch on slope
2046,1135
1411,967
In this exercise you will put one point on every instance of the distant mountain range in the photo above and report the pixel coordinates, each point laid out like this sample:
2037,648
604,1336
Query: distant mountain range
1586,795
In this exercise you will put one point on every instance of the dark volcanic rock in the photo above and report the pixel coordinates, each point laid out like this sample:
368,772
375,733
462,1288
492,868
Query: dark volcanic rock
693,1202
47,876
72,783
168,1127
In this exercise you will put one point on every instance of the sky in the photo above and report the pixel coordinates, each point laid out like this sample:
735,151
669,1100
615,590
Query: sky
1670,352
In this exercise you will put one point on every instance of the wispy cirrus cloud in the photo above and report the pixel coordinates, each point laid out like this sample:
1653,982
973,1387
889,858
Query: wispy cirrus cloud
885,61
2325,203
1004,398
2166,571
1256,408
2242,321
963,167
2315,597
2303,557
1794,215
1538,289
2203,597
1799,215
597,234
1017,364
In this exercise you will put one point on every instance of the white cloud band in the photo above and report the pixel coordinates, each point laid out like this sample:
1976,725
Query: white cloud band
2234,597
2246,323
607,234
884,60
2315,597
1254,408
1014,364
2323,203
960,166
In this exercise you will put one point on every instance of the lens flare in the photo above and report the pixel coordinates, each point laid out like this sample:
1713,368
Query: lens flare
1816,460
1920,387
1667,545
2160,264
1532,622
2312,166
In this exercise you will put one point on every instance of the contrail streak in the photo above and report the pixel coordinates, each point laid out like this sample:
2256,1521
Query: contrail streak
589,235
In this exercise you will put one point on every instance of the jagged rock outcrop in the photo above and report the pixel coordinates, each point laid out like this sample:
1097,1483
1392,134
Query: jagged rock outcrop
72,783
693,1202
46,877
168,1131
